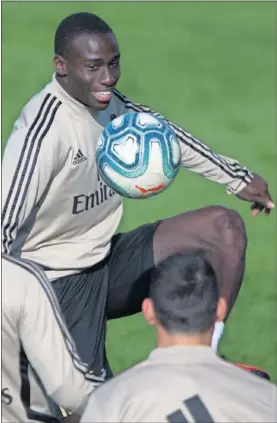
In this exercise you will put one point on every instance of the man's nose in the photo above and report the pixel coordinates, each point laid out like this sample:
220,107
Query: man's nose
108,79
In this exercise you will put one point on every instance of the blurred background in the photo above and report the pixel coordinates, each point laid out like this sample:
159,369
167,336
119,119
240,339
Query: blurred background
210,67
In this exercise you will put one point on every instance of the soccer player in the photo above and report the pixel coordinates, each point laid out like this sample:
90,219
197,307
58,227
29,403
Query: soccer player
58,212
38,354
183,380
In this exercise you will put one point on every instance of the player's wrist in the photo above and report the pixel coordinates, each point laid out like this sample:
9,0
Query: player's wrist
237,185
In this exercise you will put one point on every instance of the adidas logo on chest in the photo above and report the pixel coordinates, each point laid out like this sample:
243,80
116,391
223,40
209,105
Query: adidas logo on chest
79,158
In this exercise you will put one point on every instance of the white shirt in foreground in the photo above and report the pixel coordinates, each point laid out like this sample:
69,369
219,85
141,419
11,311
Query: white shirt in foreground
37,349
183,384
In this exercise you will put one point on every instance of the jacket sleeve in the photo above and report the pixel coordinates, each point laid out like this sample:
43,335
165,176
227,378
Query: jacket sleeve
28,166
50,349
195,155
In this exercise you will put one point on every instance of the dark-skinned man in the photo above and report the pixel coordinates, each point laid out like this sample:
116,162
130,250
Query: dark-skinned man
53,213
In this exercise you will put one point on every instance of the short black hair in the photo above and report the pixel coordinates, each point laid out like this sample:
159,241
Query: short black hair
77,24
184,292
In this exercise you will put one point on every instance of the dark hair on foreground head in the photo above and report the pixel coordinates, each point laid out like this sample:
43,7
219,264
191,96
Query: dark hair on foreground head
184,293
75,25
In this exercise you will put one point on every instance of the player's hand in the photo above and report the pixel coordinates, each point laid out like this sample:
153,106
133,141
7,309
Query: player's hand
257,193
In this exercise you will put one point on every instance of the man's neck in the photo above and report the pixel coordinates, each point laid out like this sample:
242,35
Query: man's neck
167,339
78,107
62,82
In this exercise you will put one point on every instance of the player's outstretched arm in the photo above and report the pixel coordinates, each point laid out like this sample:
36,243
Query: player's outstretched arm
49,347
29,164
199,158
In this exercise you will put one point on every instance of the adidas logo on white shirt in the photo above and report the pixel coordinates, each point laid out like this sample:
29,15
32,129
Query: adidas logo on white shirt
79,158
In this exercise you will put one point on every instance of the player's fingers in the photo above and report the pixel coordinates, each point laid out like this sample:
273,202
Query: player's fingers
255,212
269,203
266,200
257,206
256,209
267,211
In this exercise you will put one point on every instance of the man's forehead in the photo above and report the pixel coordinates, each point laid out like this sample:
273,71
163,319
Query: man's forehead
94,45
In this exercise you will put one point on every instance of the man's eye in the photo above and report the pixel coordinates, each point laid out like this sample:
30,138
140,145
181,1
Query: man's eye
93,67
114,64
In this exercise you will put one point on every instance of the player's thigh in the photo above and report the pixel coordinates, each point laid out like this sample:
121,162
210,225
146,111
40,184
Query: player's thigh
130,260
83,300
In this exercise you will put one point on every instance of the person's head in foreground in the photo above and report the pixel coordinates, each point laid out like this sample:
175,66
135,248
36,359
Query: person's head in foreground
184,302
87,59
183,379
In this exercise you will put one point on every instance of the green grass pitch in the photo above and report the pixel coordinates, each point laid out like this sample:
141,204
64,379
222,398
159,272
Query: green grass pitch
210,67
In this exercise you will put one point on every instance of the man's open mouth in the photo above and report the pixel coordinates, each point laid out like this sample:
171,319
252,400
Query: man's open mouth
103,96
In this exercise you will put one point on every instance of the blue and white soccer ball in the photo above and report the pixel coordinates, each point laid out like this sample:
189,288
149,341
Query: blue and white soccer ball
138,155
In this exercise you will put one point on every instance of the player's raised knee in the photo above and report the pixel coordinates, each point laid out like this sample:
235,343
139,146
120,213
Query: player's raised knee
230,225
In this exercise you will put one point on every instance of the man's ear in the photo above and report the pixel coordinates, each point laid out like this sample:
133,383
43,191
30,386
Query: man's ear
60,65
148,311
221,310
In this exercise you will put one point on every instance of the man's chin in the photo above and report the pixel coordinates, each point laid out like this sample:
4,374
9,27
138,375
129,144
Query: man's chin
102,106
99,105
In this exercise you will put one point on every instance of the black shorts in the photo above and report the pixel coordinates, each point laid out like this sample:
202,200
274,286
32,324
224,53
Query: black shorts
111,289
